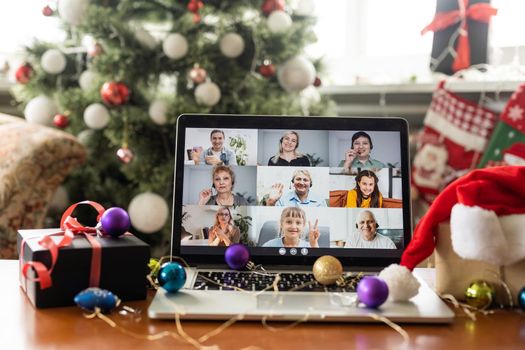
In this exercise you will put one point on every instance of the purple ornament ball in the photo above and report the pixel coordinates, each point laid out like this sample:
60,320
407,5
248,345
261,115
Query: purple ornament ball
115,221
372,291
237,256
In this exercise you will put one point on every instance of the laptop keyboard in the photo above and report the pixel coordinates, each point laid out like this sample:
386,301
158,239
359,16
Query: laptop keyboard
255,281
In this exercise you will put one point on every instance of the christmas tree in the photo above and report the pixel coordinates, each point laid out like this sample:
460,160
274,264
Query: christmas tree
128,68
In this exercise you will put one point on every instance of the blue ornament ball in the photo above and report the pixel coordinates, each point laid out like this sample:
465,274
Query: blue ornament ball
115,222
172,276
521,299
237,256
92,298
372,291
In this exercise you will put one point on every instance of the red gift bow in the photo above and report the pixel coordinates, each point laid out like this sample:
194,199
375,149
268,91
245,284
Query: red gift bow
69,227
442,20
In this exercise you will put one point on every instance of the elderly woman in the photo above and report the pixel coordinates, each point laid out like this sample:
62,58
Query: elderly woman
299,196
288,155
359,157
223,179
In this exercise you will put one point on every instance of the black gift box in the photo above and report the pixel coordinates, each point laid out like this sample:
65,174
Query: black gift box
477,35
124,267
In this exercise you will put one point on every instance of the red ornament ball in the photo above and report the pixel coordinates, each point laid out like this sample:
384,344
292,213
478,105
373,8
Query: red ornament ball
198,74
47,11
114,94
272,5
60,120
125,155
317,82
267,69
23,74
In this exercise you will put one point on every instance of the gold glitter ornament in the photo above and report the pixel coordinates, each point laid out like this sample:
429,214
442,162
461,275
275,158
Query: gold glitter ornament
327,270
480,294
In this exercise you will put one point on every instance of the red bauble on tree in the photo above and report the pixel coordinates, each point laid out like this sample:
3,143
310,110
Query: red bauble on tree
197,74
114,94
23,74
47,11
194,6
272,5
267,69
125,155
61,120
317,82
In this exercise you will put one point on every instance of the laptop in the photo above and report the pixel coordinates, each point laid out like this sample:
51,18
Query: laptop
291,189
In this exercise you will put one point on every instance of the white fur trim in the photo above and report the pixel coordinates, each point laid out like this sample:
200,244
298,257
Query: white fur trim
479,234
402,285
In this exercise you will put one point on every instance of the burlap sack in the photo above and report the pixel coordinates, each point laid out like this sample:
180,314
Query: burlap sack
454,274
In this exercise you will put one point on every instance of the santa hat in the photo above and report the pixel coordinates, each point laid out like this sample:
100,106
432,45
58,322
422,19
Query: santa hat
486,209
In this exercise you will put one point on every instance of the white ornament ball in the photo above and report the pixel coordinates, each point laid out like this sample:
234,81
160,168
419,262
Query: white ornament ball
305,8
148,212
53,61
96,116
85,136
72,11
207,94
296,74
402,285
87,80
279,21
40,110
144,37
60,199
175,46
157,112
232,45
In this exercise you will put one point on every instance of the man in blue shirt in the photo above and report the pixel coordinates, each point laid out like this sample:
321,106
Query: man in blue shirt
300,196
217,154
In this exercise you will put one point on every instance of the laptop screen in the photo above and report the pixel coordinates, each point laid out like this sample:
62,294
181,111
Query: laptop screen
292,188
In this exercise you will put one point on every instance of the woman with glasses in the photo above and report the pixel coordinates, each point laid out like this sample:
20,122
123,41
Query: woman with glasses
224,232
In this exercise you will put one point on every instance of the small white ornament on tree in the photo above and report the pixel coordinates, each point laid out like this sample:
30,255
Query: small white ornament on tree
144,37
53,61
85,137
305,8
96,116
175,46
72,11
40,110
279,21
232,45
87,80
148,212
157,112
207,94
296,74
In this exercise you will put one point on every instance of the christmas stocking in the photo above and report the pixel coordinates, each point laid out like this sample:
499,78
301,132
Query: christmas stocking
454,136
507,144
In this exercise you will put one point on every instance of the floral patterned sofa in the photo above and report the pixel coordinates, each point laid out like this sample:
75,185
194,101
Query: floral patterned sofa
34,160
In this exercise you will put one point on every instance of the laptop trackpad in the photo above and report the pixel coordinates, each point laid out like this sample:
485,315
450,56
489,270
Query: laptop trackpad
304,300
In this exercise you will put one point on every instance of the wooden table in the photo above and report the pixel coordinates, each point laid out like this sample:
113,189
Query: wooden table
24,327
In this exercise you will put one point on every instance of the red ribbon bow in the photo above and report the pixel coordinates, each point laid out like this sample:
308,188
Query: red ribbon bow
69,227
442,20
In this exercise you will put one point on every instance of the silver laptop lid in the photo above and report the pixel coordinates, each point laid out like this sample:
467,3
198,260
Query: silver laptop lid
291,189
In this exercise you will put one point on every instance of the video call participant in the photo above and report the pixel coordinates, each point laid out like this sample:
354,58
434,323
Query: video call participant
217,154
223,232
358,157
300,196
292,224
366,193
368,237
288,155
223,179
